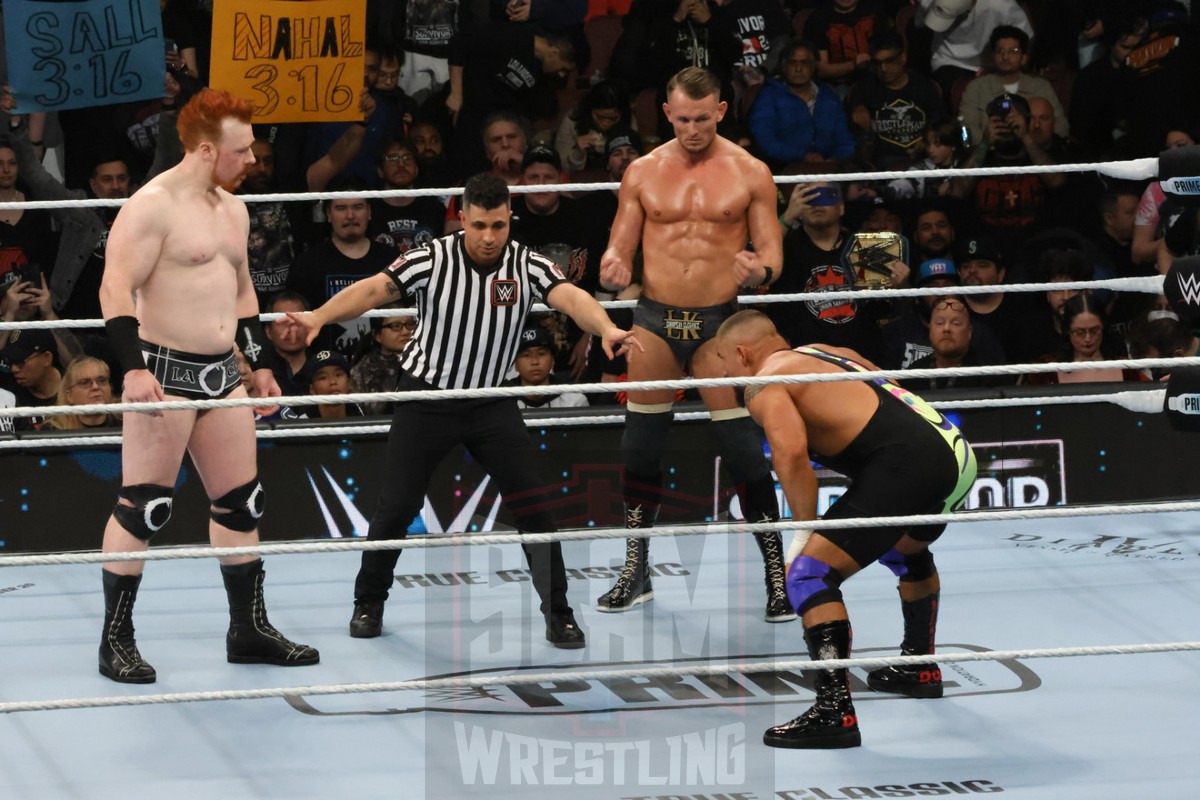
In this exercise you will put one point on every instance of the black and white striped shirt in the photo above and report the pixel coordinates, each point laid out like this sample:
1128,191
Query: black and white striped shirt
471,316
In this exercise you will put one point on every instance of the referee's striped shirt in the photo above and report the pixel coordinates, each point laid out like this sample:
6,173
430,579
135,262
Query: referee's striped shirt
471,317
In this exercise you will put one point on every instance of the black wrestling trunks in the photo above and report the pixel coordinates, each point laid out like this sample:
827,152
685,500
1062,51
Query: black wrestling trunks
683,329
192,376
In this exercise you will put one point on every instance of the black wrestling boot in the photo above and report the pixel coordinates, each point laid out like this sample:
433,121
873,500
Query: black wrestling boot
831,722
779,608
252,639
367,620
913,680
563,632
633,585
119,657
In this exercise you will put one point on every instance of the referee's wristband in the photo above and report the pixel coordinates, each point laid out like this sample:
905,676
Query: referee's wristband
123,336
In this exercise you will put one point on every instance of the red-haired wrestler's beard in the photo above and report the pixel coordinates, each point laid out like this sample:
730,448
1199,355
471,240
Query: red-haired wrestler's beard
229,184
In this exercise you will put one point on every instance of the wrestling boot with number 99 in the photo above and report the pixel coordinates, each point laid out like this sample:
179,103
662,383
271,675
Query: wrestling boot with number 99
252,639
831,722
633,585
913,680
119,656
779,608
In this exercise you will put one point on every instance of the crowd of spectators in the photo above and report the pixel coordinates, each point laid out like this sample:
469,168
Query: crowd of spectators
546,91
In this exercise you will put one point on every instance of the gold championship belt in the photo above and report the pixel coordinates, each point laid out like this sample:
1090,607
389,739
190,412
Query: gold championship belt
869,255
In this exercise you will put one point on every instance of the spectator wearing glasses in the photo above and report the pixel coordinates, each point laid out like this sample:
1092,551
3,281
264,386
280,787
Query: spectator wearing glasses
1009,48
961,31
950,333
87,381
892,106
1084,322
403,223
30,356
378,368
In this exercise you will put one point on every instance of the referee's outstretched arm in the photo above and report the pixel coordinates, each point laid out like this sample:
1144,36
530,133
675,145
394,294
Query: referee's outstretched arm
351,302
591,316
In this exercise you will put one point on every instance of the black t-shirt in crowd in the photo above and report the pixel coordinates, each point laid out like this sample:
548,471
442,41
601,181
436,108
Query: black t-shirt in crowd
322,271
841,323
898,116
404,227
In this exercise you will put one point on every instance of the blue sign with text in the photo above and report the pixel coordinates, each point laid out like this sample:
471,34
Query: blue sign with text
82,54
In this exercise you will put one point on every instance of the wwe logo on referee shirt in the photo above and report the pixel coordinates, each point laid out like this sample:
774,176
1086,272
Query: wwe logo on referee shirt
504,293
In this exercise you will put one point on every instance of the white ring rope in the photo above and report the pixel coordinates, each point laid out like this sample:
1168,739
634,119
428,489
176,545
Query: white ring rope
1148,285
588,534
599,388
526,678
1135,169
1142,168
1148,401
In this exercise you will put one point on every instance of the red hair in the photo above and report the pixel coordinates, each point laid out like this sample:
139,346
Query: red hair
200,120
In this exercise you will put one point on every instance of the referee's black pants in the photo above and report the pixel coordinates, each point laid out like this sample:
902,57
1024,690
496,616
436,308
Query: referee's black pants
494,433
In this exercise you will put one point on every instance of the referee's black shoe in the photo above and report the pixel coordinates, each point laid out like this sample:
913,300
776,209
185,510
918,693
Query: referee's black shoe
563,632
367,621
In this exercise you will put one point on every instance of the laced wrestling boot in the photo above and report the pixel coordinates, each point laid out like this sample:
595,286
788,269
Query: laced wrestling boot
252,639
914,680
119,657
831,722
633,585
779,608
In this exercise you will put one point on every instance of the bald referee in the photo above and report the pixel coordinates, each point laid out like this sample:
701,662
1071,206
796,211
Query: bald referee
473,291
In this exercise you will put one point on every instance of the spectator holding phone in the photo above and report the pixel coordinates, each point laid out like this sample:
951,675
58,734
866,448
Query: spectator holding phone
812,250
26,240
1013,205
182,33
1009,49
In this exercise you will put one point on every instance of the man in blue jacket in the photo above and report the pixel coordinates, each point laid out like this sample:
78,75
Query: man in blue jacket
798,118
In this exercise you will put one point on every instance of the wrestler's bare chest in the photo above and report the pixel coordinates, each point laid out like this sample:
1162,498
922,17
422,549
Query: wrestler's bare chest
710,194
201,234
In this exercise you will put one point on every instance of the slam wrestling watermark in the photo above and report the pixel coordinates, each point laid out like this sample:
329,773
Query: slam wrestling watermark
707,757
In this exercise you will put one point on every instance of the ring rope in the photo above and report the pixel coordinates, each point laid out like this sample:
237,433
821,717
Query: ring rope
1148,284
429,684
1134,169
1149,401
588,534
599,388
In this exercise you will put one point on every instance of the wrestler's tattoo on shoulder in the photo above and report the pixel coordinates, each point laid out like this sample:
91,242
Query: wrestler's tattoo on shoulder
393,290
752,392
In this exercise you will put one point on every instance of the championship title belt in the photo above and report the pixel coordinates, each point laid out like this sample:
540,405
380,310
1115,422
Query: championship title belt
869,255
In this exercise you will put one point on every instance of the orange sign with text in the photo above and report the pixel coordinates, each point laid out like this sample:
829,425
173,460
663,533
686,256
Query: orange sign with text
296,62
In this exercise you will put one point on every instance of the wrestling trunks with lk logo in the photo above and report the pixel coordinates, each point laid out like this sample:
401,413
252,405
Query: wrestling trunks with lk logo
189,375
684,329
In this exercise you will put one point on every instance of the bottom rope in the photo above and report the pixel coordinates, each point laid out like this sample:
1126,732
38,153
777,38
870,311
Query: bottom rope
511,680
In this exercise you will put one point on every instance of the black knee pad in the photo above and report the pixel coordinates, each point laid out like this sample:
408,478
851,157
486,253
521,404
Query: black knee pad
740,443
241,507
920,566
644,440
150,511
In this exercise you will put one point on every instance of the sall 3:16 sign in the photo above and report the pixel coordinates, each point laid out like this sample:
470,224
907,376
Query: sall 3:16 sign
76,55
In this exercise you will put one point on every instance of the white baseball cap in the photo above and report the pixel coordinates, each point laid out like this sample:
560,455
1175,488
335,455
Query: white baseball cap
943,13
